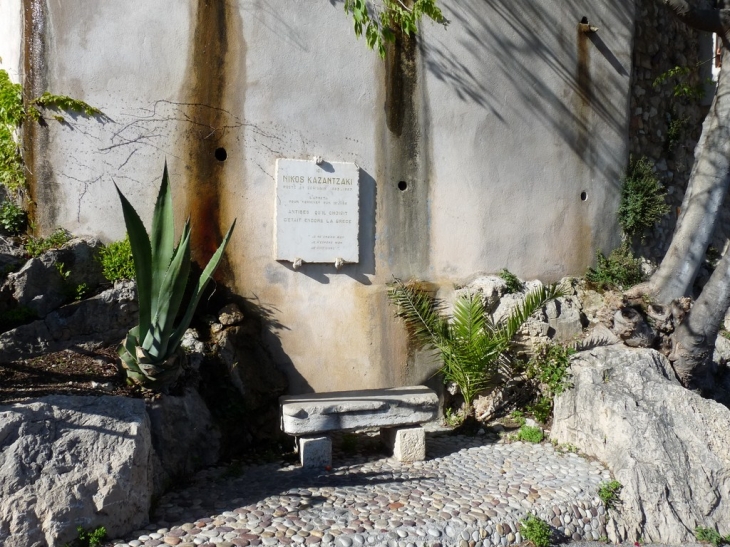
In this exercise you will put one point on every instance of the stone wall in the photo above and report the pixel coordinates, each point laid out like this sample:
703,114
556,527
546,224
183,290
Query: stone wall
662,42
497,142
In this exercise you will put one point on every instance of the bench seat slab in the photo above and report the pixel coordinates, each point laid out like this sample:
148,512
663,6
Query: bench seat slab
341,410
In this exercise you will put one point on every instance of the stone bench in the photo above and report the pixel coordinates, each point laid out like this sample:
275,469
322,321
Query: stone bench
398,412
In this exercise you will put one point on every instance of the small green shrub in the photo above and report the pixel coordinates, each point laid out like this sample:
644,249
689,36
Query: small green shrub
711,536
81,291
36,246
453,419
15,317
91,538
675,130
609,492
620,270
116,260
550,365
12,218
530,434
536,531
642,199
514,285
541,409
518,416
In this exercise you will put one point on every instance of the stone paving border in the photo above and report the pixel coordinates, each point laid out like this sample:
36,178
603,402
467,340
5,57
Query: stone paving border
470,492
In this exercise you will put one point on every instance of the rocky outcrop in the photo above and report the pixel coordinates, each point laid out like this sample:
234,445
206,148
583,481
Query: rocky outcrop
95,461
102,319
256,378
49,281
666,445
73,461
183,436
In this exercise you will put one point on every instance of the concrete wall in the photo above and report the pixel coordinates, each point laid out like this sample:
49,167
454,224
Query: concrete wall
11,25
497,124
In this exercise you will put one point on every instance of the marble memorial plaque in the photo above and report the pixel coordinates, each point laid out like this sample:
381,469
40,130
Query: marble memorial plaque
317,211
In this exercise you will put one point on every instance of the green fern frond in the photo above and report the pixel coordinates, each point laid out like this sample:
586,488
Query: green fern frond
534,300
469,317
420,313
472,348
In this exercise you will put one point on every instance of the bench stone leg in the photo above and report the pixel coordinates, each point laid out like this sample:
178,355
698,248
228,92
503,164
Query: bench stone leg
315,452
407,443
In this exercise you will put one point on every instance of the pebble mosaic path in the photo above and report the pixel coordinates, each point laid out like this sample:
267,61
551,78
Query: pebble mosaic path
470,492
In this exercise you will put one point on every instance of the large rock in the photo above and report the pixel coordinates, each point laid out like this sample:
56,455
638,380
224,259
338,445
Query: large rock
666,445
49,281
256,378
183,436
102,319
73,461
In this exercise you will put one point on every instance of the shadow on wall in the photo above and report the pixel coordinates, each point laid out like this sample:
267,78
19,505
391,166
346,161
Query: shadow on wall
520,40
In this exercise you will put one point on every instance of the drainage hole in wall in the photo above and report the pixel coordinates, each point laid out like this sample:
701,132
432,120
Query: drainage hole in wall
583,196
221,154
402,185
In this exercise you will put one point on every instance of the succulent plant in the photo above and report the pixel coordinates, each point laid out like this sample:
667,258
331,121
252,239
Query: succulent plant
151,353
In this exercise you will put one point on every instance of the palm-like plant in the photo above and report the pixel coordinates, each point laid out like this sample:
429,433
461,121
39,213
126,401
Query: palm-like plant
471,346
151,352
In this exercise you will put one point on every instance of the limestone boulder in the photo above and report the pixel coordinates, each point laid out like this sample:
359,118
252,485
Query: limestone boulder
666,445
184,437
102,319
49,281
73,461
491,288
565,318
256,378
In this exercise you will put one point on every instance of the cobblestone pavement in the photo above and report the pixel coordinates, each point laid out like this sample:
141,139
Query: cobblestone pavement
470,492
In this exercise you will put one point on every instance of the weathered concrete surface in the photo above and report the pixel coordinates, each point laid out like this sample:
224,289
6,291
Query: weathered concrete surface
320,412
666,445
10,37
495,126
102,319
73,461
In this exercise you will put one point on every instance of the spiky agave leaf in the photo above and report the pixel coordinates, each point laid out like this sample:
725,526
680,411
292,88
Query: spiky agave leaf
172,290
162,240
151,351
139,241
205,277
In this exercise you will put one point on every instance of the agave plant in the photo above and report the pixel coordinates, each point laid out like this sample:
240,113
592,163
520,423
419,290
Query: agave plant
151,352
471,346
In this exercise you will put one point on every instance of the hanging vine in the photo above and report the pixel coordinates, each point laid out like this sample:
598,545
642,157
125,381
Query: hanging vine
14,112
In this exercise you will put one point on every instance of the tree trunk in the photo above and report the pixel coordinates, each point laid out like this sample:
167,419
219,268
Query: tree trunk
694,339
708,185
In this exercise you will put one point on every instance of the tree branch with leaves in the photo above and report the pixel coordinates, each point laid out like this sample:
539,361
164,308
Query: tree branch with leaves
380,22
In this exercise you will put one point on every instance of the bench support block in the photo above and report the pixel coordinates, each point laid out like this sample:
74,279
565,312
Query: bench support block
315,452
407,443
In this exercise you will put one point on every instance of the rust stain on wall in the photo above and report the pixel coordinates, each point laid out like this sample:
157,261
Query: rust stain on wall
582,249
39,176
403,189
584,93
211,70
